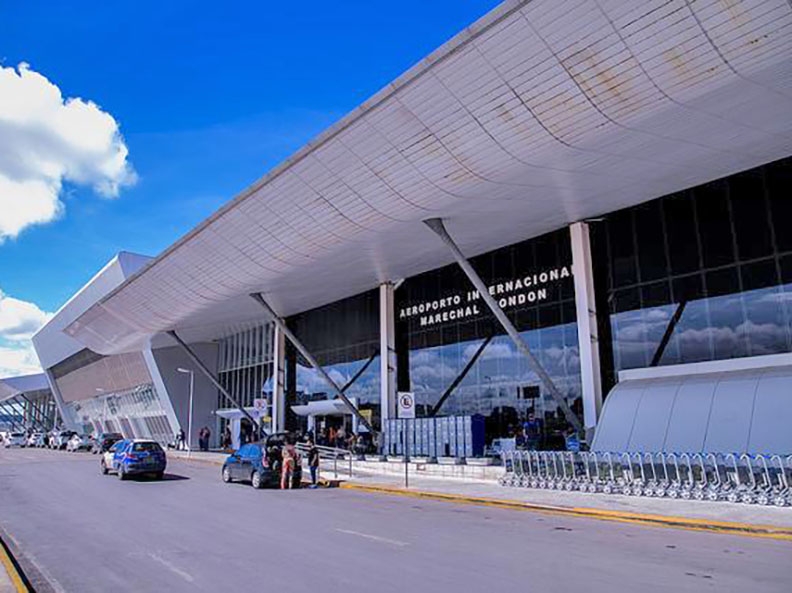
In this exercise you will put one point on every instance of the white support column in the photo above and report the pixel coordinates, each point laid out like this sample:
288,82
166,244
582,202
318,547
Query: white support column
588,339
278,380
387,353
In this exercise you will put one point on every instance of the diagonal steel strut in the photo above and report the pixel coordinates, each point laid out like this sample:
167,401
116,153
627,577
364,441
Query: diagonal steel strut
311,360
5,407
437,226
209,375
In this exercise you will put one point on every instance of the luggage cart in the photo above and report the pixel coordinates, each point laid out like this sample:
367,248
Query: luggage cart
662,476
719,485
592,482
507,459
700,476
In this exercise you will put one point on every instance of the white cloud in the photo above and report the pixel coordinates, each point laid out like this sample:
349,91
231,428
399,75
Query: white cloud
18,360
46,140
19,320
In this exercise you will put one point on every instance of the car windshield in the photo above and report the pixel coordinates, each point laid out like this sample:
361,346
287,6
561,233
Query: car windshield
146,447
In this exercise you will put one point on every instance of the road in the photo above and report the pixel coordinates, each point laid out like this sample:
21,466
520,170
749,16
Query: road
92,533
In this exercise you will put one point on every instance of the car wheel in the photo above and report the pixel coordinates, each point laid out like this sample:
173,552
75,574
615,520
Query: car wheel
121,474
104,468
255,480
226,475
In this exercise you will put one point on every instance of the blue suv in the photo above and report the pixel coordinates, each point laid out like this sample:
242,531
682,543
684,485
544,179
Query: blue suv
138,456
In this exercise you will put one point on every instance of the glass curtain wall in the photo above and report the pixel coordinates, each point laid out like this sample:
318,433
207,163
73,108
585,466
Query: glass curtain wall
441,325
245,365
718,257
344,338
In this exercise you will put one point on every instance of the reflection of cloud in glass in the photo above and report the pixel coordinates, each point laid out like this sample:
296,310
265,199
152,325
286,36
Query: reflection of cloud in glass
365,387
497,377
742,324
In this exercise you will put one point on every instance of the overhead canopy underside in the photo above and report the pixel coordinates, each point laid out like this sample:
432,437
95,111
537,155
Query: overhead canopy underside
11,387
540,114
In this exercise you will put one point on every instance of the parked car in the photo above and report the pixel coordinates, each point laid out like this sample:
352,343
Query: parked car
105,440
34,438
260,463
79,442
15,439
61,439
40,440
135,457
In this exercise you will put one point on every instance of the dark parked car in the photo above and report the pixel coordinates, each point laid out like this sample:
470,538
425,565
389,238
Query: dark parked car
260,463
104,441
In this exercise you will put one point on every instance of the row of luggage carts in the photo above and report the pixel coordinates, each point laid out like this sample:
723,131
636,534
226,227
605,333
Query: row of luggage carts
732,477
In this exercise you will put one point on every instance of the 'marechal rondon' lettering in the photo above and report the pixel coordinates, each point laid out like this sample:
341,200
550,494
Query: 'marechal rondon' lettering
510,293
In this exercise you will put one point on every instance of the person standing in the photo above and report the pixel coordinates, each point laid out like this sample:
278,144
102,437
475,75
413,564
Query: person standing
288,455
313,462
180,438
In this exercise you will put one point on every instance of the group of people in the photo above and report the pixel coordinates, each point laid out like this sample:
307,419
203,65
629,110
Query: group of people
290,459
203,439
340,439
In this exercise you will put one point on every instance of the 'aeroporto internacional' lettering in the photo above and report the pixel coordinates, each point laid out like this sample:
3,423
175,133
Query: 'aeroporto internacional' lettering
510,293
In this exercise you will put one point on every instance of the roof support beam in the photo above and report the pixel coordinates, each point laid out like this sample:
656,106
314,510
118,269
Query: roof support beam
460,376
209,375
437,226
281,324
9,416
661,348
33,412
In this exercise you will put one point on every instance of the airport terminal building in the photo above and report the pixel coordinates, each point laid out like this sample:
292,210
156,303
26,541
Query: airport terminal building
616,177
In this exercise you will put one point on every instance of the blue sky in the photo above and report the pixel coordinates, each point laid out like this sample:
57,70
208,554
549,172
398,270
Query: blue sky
208,96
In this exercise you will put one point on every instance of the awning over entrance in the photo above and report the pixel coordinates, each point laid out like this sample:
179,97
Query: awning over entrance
722,412
327,407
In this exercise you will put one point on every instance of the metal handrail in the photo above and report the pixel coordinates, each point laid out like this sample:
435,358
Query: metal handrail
333,453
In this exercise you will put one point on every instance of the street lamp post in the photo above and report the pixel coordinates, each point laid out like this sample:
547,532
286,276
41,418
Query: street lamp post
190,417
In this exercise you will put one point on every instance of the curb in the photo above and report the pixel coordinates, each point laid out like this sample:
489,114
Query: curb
11,569
742,529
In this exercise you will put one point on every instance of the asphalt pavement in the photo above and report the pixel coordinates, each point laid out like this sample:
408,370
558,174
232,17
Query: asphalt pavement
191,532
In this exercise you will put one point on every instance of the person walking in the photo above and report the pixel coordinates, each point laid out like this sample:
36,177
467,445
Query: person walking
313,462
180,440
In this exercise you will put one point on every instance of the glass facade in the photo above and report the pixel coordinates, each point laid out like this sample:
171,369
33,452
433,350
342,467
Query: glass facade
441,324
716,257
244,365
344,338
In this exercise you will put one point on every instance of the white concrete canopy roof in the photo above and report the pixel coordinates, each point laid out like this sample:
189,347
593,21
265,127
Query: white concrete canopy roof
540,114
11,387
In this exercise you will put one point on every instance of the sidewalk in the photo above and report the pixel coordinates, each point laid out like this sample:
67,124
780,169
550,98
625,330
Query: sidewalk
703,515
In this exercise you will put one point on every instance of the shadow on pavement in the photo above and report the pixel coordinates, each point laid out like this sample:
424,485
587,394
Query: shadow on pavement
165,478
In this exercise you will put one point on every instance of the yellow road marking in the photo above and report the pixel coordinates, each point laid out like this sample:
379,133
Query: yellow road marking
712,526
13,574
